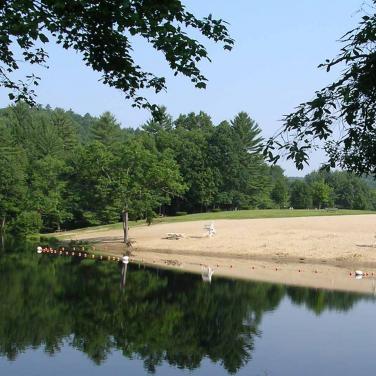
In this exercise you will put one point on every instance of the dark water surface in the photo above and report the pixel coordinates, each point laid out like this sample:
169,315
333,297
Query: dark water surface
64,316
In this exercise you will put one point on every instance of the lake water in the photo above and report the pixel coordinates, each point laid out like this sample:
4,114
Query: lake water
65,316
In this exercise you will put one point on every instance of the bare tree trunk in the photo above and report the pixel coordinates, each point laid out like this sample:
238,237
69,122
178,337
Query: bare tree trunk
2,226
2,233
125,225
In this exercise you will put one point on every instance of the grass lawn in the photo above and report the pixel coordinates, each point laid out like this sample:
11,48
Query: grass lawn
239,214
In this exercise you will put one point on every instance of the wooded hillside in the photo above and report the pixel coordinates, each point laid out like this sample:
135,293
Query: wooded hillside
59,169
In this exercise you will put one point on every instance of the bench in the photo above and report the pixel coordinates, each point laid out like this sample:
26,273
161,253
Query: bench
174,235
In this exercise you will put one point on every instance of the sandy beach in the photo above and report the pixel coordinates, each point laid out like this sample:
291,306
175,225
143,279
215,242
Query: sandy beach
320,252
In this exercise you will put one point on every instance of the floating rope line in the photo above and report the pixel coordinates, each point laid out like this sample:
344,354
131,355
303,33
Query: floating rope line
80,254
125,259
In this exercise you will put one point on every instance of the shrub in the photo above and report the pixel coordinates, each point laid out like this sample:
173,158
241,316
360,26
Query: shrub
180,213
246,207
28,222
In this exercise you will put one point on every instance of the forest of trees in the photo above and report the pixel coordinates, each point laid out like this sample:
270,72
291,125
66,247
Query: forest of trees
59,170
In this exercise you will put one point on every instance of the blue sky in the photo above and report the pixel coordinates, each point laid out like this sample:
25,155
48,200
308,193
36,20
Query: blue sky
272,68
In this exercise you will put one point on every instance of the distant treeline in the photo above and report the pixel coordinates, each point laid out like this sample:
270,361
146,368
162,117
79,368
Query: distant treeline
59,169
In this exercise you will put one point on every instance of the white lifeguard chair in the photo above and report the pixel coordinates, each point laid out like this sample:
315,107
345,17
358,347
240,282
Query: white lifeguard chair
211,229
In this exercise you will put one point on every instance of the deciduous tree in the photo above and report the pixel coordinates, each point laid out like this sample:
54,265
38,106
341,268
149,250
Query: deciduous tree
348,104
102,32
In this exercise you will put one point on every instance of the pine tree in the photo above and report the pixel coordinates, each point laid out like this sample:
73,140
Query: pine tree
106,129
66,129
248,131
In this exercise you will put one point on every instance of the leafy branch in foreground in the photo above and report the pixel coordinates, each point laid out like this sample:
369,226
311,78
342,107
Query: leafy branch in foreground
101,31
342,115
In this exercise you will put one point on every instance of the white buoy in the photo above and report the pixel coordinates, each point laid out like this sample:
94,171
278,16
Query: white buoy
39,250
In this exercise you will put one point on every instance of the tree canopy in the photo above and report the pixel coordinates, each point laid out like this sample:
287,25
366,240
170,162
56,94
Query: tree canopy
61,170
103,33
342,116
66,170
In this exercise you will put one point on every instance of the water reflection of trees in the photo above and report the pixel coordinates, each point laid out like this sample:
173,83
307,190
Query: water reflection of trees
159,317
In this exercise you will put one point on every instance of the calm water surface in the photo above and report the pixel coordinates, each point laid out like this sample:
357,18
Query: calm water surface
65,316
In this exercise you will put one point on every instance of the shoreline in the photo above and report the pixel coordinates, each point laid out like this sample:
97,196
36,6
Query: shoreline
317,252
325,276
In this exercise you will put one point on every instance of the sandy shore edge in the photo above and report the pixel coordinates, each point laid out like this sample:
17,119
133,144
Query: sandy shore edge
317,252
324,275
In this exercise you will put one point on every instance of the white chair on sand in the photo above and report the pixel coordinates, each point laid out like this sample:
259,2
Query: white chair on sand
211,229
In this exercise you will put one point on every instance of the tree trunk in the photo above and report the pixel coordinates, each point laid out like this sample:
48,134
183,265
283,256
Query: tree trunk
2,233
125,225
2,225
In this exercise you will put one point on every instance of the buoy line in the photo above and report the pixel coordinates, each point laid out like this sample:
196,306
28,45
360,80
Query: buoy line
125,259
81,253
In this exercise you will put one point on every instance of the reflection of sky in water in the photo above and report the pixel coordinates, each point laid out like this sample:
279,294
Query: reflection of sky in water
293,341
